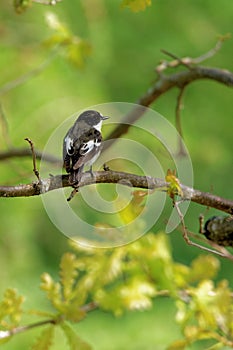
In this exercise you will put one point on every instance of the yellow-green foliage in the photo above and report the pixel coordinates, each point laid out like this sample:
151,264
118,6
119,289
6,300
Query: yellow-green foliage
136,5
74,48
130,278
21,5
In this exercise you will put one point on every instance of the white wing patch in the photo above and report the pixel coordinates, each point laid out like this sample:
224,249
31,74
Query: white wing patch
69,145
87,147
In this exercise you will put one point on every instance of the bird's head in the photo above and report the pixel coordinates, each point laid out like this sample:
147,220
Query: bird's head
92,118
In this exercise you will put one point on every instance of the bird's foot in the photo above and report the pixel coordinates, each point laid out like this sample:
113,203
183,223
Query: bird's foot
74,179
91,172
73,193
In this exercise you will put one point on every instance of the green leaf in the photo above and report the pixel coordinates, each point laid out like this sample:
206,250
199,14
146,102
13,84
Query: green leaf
112,268
181,275
68,273
178,345
136,5
52,289
21,6
158,259
74,48
68,305
137,294
74,341
110,301
217,346
11,309
73,313
174,184
45,339
77,52
204,267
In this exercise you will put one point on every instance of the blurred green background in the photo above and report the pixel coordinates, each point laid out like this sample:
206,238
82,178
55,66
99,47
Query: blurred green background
125,51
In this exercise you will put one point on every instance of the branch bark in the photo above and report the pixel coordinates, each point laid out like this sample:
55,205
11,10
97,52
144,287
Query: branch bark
163,84
26,152
167,82
126,179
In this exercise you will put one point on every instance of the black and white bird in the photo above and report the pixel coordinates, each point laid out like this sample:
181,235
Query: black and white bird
82,144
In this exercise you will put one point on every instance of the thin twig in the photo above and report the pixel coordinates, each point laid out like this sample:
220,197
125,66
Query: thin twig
164,84
167,82
175,63
49,2
8,333
189,62
21,329
212,51
25,77
5,129
36,172
26,152
221,252
179,106
89,307
216,246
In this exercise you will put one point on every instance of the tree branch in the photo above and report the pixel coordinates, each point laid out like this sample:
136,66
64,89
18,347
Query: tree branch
126,179
26,152
163,84
167,82
8,333
27,76
219,250
49,2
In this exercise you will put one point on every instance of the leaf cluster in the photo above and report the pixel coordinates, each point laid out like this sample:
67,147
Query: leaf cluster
136,5
10,313
129,278
74,49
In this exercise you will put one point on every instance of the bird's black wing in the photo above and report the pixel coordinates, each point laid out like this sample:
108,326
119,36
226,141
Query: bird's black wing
77,152
87,148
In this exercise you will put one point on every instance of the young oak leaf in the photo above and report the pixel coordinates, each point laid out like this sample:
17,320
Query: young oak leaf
21,6
75,49
203,267
52,289
132,209
174,184
74,341
45,339
68,274
137,294
11,309
136,5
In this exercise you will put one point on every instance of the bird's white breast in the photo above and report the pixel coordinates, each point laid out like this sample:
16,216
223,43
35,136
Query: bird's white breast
98,126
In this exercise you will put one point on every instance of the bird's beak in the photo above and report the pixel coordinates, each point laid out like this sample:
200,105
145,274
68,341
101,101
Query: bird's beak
104,117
